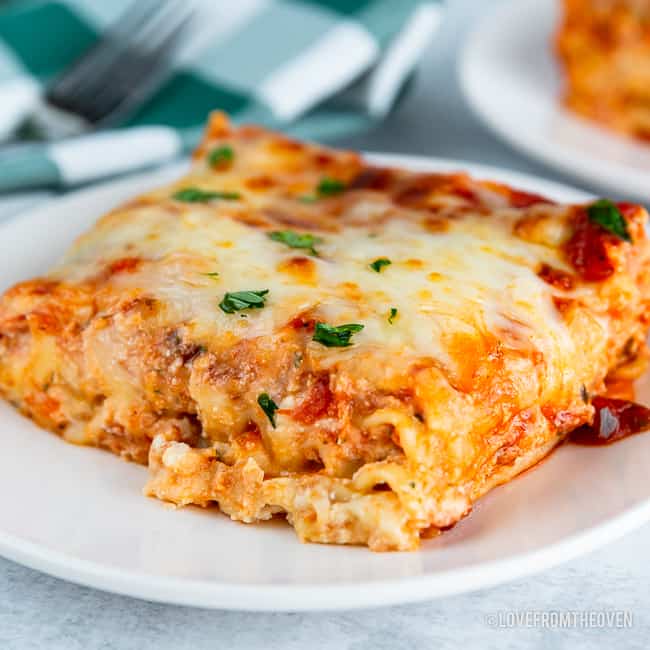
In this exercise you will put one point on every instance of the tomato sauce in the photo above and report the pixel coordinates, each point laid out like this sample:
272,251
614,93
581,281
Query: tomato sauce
614,419
317,402
521,199
556,277
124,265
373,178
588,250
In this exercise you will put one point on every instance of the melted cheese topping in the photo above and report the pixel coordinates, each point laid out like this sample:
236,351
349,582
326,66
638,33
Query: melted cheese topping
474,277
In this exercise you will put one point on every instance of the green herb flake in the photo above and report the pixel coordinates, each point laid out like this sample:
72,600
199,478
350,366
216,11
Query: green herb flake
268,406
240,300
608,216
335,336
297,240
379,264
392,315
221,157
327,187
330,187
196,195
213,274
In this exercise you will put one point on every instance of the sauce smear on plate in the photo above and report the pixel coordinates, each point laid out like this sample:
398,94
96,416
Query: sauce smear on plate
614,419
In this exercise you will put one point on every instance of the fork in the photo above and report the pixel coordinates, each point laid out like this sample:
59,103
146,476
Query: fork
118,74
113,78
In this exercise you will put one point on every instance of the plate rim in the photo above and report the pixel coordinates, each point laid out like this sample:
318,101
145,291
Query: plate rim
553,157
317,597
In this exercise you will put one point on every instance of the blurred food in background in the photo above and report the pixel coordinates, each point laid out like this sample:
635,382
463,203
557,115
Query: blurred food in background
604,48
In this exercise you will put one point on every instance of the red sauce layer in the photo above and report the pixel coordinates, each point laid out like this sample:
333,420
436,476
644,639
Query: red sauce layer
588,250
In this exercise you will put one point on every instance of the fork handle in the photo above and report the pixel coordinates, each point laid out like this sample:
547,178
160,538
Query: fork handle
86,158
27,166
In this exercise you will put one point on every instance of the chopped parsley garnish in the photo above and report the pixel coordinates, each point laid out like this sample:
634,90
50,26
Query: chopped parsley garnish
297,240
327,187
221,157
196,195
335,336
212,274
268,406
379,263
330,187
240,300
392,315
608,216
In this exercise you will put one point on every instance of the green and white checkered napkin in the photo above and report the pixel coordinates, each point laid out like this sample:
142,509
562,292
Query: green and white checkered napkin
314,68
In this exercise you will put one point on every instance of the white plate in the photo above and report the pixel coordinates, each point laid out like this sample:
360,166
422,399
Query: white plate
78,513
511,80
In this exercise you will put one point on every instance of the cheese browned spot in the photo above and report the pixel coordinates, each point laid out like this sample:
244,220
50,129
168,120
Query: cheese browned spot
370,407
301,269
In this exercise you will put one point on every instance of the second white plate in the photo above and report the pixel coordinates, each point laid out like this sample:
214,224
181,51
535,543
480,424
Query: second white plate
511,80
78,513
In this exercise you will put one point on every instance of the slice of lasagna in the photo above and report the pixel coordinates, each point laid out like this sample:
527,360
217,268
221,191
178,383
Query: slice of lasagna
288,329
604,48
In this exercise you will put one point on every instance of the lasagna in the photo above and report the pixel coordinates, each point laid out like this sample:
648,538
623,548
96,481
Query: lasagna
290,330
604,49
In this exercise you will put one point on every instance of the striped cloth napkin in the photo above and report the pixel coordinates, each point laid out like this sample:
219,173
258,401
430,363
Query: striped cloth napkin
314,68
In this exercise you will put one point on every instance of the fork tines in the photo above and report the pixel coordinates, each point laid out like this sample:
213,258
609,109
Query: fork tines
126,65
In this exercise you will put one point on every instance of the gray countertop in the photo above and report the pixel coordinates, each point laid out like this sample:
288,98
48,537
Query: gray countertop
37,611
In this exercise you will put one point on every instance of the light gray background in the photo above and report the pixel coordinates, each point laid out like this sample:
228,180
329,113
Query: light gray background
37,611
